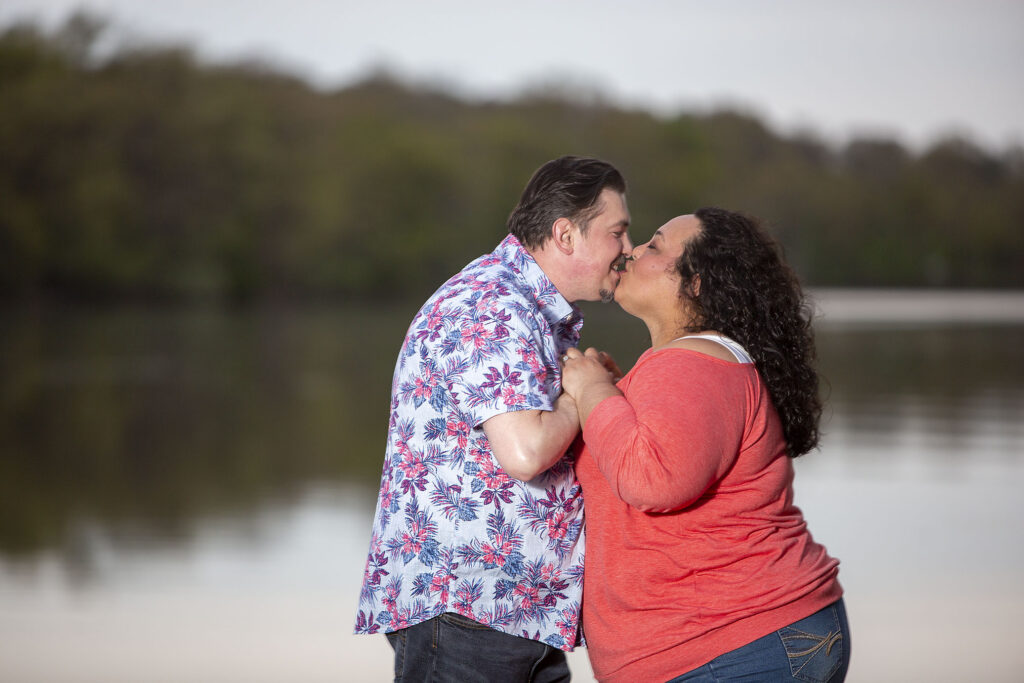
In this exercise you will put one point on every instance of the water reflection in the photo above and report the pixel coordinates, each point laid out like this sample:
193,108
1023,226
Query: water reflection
953,387
143,422
170,477
138,424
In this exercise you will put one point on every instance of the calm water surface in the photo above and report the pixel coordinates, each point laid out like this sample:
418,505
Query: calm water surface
187,495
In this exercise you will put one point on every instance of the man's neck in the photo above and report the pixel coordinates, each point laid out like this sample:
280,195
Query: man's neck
551,261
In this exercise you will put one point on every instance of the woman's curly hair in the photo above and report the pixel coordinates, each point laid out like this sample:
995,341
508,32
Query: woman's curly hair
748,293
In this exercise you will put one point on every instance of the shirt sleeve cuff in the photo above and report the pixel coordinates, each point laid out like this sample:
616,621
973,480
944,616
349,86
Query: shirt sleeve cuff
488,412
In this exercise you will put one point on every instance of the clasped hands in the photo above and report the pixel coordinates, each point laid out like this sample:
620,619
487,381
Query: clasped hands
584,371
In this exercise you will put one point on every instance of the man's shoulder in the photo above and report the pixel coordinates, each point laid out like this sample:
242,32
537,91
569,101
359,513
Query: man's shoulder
484,296
486,278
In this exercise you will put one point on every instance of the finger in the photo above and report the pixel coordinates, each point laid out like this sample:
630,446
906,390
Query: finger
609,362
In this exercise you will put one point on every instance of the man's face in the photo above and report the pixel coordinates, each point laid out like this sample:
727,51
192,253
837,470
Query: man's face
600,249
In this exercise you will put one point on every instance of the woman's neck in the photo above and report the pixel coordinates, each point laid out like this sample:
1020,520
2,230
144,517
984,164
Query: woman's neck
663,333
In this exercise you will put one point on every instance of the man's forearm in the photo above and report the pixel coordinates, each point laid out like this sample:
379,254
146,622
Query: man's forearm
526,443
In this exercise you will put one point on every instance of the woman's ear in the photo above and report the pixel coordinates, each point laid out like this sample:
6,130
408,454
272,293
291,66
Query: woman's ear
695,285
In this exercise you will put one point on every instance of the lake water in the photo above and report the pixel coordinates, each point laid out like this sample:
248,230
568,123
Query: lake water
186,495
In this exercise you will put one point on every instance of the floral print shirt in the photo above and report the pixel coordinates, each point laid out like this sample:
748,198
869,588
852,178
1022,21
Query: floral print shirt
452,531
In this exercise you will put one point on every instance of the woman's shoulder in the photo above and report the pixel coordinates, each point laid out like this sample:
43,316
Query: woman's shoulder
708,345
704,347
686,359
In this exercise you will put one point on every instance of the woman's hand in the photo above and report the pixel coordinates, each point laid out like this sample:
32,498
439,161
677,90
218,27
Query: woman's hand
582,370
610,365
589,378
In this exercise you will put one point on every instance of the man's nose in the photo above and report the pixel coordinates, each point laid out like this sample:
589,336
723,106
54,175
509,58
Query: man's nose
627,246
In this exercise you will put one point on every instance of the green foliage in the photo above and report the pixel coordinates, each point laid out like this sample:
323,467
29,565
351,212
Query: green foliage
147,174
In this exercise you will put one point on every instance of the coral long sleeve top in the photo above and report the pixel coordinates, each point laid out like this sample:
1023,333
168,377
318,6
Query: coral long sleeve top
694,545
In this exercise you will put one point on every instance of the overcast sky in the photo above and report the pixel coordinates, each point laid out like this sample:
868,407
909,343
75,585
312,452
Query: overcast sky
910,69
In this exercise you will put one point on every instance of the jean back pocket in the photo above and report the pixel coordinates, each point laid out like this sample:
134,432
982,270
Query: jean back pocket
814,646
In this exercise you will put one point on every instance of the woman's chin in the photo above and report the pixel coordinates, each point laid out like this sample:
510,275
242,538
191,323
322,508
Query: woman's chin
618,299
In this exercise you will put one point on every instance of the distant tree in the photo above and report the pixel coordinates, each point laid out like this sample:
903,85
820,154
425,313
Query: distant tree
143,172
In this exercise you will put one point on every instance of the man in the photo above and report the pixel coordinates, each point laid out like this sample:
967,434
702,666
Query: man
476,559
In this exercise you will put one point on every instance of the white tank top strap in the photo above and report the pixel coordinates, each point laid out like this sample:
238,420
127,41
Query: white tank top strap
736,349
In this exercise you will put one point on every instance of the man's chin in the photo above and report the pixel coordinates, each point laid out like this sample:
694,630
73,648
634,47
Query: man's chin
607,294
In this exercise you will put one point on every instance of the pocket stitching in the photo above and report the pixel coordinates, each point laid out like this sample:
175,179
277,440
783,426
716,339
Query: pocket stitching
455,619
832,639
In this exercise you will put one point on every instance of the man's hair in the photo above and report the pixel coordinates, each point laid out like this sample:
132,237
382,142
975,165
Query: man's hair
567,187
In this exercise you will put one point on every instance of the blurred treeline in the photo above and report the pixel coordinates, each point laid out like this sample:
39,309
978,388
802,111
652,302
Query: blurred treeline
143,173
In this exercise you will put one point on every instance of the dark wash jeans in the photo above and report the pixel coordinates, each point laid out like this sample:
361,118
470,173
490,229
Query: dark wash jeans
452,648
815,649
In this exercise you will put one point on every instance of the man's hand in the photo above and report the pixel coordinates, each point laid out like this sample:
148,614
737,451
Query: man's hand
589,378
581,371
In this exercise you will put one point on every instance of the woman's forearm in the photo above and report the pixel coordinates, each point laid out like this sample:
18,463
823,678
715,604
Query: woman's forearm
590,396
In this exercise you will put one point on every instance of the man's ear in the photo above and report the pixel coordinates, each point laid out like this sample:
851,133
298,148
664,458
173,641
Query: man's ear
564,235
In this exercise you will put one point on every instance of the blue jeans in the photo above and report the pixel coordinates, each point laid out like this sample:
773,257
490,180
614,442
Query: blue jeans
815,649
451,647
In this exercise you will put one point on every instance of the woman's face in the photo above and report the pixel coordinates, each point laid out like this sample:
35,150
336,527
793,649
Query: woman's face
650,284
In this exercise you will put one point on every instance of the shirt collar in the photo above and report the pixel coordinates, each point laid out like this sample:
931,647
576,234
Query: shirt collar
553,306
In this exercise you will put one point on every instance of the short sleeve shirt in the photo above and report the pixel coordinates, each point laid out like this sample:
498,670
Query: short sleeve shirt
452,531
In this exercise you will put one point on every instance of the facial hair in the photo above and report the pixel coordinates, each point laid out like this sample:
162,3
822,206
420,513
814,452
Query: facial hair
608,295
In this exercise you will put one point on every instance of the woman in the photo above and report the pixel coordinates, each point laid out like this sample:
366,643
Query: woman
699,567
